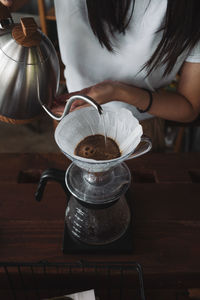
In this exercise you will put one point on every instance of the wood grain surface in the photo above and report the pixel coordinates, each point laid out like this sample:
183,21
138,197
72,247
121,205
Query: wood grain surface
165,200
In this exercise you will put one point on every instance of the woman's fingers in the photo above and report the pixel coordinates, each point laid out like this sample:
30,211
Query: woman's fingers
76,104
58,109
61,99
101,93
60,102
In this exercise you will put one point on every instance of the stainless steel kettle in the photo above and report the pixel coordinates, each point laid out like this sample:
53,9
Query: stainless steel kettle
29,69
29,72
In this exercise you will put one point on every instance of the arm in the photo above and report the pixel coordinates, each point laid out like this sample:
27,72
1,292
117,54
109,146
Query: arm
180,106
183,105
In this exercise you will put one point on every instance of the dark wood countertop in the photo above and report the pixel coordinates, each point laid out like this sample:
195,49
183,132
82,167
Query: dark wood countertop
166,193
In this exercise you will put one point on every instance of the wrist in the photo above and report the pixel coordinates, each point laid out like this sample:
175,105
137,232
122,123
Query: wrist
148,107
123,92
141,98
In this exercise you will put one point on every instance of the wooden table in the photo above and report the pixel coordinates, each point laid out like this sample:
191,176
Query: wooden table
166,192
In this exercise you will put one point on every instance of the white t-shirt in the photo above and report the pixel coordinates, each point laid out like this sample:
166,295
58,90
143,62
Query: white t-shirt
87,62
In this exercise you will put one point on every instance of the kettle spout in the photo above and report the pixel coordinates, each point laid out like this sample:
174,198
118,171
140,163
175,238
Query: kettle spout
68,105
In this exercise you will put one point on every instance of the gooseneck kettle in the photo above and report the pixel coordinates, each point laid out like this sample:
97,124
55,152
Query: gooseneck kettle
29,72
29,69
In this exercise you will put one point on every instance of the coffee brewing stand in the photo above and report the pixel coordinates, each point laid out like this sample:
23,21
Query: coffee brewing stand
98,218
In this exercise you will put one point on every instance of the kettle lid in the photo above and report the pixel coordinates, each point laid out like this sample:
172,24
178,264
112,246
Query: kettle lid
26,33
25,43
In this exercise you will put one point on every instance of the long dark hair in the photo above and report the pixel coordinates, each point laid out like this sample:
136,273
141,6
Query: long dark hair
181,28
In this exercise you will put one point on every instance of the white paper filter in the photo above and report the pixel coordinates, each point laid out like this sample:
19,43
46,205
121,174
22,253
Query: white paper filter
119,125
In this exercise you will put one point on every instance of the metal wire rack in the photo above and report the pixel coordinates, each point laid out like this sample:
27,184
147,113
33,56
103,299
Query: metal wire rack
44,280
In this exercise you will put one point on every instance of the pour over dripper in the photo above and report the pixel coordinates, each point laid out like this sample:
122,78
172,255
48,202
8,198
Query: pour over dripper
119,125
100,181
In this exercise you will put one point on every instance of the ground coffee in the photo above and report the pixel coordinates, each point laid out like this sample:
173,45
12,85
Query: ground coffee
96,147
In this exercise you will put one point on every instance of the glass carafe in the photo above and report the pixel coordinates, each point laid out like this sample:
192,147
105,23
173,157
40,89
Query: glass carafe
97,224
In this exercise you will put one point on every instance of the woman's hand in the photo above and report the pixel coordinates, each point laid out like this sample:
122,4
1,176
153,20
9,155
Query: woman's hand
60,102
7,3
102,93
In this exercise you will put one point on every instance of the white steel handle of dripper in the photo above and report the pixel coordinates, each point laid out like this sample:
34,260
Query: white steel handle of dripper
145,147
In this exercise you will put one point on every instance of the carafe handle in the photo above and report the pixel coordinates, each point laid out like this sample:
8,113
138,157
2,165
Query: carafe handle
144,147
51,175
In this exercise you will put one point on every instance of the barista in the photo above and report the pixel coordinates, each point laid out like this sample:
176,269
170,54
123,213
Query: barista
123,53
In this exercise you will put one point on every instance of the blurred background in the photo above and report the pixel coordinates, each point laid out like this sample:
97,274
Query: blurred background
38,136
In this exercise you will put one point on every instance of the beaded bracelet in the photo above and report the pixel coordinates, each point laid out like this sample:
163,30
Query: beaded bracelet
150,102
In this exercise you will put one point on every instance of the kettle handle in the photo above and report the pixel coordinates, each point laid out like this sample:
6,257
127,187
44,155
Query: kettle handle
5,15
4,12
